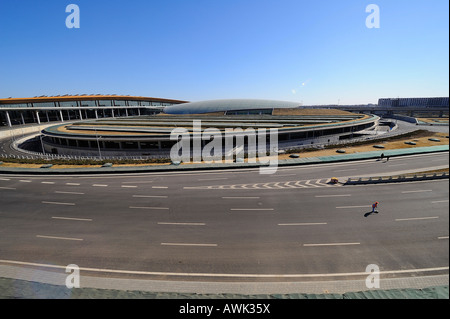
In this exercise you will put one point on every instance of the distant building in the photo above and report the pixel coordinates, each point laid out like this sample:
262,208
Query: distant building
428,102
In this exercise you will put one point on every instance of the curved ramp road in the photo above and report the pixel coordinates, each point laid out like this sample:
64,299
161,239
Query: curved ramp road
230,225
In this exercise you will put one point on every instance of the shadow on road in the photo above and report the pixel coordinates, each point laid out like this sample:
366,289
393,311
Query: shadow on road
370,213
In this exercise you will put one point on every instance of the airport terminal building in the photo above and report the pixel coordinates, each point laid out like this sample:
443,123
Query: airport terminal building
151,135
21,111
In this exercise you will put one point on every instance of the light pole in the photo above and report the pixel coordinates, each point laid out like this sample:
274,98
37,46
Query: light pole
42,143
98,144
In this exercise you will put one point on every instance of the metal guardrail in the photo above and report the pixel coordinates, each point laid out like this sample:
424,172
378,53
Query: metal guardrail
396,179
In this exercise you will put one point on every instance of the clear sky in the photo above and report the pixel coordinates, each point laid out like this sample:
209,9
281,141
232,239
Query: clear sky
314,52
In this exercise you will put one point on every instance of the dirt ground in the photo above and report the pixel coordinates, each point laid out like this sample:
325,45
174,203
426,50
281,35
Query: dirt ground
398,144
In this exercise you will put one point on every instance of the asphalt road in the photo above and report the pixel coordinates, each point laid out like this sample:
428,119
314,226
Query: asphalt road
231,224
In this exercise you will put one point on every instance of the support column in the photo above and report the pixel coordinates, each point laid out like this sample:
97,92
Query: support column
8,119
139,112
126,112
21,116
60,114
46,114
112,112
96,114
81,115
68,114
37,118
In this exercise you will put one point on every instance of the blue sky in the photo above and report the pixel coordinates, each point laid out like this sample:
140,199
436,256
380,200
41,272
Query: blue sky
314,52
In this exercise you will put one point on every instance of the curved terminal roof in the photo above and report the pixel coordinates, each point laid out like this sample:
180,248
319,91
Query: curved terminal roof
227,105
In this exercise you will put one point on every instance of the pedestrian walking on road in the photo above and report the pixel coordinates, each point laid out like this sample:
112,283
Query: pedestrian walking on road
374,207
382,156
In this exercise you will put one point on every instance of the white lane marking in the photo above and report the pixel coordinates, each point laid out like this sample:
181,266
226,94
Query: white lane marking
73,193
154,208
99,185
128,186
8,188
162,187
62,238
71,218
24,181
58,203
439,201
187,244
252,209
325,196
283,175
212,179
137,272
5,179
331,244
342,207
418,191
308,182
240,197
443,237
137,182
149,196
416,218
73,184
49,183
182,224
302,224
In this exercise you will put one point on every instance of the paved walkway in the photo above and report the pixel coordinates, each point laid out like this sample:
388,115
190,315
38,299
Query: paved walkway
104,286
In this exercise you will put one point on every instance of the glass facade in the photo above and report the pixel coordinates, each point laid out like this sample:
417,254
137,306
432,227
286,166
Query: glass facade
47,104
104,103
68,104
120,103
14,105
88,103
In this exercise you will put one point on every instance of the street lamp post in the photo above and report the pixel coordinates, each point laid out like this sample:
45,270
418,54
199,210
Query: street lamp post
98,145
